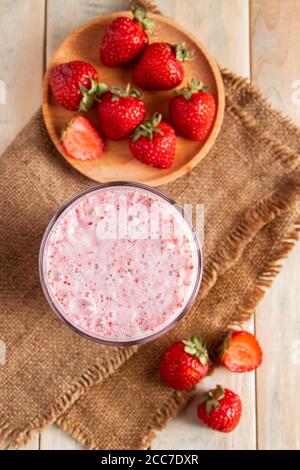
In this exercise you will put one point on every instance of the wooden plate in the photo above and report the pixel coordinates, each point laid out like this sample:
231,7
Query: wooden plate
117,163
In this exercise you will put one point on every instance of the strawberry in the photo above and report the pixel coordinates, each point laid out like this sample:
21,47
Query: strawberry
192,111
74,85
125,38
241,352
81,139
160,66
184,364
154,143
220,409
120,112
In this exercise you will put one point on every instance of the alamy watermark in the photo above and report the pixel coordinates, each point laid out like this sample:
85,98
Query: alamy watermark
2,92
138,221
2,353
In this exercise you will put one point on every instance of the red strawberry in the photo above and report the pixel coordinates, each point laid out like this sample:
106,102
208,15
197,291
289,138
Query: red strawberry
154,143
193,111
160,66
120,112
81,139
220,409
184,364
74,85
241,352
125,38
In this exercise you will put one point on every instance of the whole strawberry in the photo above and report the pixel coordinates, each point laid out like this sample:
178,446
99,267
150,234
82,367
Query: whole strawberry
125,38
154,143
220,409
120,112
184,364
81,139
241,352
192,111
74,85
160,66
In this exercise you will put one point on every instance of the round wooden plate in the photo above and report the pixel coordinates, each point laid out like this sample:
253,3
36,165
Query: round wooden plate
117,163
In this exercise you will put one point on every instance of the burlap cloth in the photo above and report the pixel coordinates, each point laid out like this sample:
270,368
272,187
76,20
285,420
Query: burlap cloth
250,186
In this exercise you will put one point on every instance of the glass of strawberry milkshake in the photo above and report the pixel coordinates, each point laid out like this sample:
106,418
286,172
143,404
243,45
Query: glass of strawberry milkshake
120,263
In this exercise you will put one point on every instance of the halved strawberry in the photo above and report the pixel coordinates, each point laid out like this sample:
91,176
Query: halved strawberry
81,139
241,352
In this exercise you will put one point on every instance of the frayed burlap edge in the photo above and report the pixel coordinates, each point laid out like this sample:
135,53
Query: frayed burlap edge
18,438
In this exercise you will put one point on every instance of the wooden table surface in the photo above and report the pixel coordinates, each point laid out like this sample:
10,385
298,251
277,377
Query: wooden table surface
259,39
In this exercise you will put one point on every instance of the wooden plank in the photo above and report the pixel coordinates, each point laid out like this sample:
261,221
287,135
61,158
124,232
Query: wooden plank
63,18
224,28
22,48
221,25
54,438
275,65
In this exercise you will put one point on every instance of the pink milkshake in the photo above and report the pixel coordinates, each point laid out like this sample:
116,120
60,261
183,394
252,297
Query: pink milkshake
120,263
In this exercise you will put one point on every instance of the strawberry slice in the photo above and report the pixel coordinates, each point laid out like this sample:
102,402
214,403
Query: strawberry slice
81,139
241,352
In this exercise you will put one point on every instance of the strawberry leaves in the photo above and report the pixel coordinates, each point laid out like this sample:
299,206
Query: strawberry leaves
148,128
182,53
90,95
195,86
124,93
212,398
196,348
140,15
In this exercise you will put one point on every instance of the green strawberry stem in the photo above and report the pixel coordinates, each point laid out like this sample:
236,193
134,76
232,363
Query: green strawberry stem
195,86
148,127
140,15
196,348
124,93
90,95
212,398
182,53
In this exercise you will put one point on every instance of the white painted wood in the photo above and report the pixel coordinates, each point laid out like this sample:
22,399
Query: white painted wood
54,438
62,18
275,68
278,379
21,71
221,25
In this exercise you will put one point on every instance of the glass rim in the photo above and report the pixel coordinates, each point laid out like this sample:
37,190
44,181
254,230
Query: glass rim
122,342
